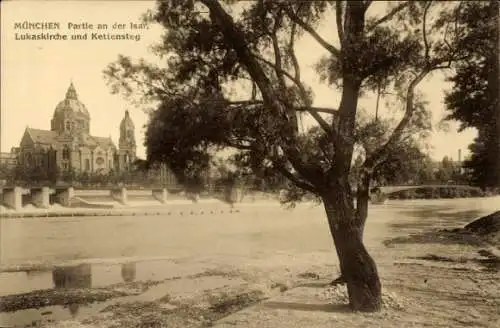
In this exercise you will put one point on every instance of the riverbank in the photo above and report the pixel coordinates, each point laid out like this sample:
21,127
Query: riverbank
439,192
418,291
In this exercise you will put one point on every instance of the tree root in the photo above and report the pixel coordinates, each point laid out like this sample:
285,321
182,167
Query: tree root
339,281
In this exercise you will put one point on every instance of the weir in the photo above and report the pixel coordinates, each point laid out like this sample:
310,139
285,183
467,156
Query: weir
16,197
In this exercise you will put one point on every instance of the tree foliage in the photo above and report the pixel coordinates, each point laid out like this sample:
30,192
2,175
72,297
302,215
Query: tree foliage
406,162
474,98
197,116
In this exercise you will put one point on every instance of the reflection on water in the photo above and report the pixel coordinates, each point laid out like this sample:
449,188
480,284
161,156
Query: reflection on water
79,276
33,274
129,271
73,309
85,276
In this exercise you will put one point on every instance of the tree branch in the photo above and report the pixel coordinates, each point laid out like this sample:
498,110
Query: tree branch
380,154
254,91
388,16
362,197
236,39
235,144
291,50
424,32
278,66
309,29
324,125
279,69
243,102
293,57
338,16
295,179
326,110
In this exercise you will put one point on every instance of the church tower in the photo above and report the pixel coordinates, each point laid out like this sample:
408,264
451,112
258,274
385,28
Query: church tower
126,145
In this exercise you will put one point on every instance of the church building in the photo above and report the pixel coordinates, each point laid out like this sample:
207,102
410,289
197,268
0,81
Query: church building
70,146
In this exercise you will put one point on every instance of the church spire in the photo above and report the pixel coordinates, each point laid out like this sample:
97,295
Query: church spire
71,93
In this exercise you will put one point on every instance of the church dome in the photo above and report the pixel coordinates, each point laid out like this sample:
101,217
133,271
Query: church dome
71,103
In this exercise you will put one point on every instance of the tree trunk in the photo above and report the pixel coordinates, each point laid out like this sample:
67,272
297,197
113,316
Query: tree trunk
358,268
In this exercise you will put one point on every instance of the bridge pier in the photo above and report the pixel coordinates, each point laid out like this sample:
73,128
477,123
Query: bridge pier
40,197
120,195
13,197
64,196
160,195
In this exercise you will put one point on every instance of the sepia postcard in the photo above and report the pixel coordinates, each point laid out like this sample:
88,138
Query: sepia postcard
195,163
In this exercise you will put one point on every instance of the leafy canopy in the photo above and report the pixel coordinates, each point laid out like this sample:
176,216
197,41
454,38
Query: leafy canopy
207,57
474,99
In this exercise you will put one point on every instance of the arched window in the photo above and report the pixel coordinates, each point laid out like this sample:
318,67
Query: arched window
68,126
28,158
99,161
66,153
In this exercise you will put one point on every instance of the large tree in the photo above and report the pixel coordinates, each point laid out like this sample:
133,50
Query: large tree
211,46
474,97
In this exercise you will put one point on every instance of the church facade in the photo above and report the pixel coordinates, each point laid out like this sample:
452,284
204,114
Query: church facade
68,145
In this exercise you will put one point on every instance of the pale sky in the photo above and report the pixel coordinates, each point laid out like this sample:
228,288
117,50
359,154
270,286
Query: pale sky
36,74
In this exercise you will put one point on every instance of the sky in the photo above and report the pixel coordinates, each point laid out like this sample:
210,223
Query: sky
35,74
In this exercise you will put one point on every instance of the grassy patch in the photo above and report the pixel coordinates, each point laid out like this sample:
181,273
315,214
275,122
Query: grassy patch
38,299
308,275
226,303
193,313
82,296
281,286
433,257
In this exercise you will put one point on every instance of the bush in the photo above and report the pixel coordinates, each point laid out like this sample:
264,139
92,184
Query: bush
437,193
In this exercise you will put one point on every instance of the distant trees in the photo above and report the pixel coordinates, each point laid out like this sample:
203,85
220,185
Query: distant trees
406,165
409,165
137,175
450,171
34,174
6,172
445,171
